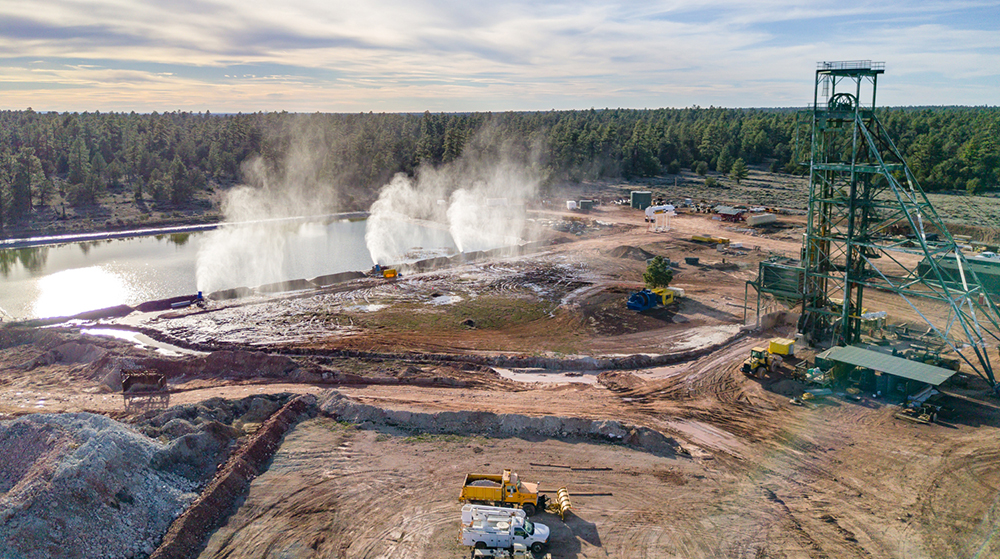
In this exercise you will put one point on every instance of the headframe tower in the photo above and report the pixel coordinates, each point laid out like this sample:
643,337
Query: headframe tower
871,227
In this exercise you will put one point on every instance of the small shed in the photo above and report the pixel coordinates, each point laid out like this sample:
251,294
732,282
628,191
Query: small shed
729,213
641,199
875,371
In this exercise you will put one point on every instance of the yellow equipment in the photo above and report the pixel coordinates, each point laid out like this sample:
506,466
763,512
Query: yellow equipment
562,505
710,239
759,362
666,295
781,346
502,490
388,272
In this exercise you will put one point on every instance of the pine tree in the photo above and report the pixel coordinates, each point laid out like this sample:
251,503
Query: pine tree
79,161
739,171
725,162
658,273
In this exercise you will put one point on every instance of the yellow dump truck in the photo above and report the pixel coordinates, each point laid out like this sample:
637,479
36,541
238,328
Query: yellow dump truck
504,490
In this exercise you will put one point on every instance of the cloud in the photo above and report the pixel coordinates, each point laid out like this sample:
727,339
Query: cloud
390,55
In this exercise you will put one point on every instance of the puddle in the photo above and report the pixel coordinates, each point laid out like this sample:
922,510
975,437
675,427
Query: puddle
544,375
366,308
445,300
142,341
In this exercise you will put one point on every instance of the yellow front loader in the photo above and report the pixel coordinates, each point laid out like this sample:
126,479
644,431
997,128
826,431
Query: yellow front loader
760,362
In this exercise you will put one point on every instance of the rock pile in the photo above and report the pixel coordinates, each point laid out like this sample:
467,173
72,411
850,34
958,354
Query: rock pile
83,485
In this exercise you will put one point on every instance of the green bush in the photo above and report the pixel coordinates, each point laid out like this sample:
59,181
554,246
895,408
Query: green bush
658,273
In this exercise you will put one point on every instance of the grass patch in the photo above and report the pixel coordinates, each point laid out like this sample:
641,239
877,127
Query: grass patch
488,313
496,313
446,438
335,425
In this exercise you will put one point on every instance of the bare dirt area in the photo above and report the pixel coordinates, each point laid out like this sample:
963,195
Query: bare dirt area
527,361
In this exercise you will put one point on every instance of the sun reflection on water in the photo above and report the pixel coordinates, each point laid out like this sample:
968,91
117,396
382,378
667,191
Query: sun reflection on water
81,289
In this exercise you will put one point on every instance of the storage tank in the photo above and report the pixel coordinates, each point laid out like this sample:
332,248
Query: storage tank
761,219
570,204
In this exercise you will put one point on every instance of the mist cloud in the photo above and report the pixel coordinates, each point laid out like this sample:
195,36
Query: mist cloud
249,248
479,198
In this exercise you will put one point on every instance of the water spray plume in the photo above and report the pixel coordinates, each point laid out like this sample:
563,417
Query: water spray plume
400,203
249,248
479,198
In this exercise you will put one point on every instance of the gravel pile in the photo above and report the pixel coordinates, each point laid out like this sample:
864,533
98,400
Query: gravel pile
83,485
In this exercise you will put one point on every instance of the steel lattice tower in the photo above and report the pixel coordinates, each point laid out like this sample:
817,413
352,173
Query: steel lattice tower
871,227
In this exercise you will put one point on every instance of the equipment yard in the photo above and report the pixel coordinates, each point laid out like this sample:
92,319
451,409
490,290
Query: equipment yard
378,396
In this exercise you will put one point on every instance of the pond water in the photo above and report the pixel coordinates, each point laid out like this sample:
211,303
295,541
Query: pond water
66,279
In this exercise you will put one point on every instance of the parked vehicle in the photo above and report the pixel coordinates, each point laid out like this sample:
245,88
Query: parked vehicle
505,490
502,528
759,362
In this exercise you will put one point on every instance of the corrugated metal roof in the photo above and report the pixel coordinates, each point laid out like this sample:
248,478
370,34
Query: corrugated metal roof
913,370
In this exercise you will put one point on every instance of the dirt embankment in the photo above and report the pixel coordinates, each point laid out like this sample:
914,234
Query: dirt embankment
188,532
342,408
86,486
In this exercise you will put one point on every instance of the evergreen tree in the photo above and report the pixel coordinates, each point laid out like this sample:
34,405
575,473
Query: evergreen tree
79,161
26,169
658,273
739,171
725,163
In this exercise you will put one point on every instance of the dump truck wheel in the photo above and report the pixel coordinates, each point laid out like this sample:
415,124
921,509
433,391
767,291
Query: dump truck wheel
536,547
529,509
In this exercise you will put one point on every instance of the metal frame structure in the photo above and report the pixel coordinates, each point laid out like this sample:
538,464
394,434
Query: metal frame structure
870,226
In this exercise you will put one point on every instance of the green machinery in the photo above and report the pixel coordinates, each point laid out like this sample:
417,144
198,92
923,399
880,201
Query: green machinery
871,227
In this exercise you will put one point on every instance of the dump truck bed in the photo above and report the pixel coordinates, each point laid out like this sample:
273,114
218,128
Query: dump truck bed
472,491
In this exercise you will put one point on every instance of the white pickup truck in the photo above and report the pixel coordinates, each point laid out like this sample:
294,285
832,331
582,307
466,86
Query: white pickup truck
497,527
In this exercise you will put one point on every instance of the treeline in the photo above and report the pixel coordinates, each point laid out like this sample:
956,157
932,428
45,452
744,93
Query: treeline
166,158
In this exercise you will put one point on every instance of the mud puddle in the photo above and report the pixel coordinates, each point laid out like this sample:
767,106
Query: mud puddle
544,375
142,341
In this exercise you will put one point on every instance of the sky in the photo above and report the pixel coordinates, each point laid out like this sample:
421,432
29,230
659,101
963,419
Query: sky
230,56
